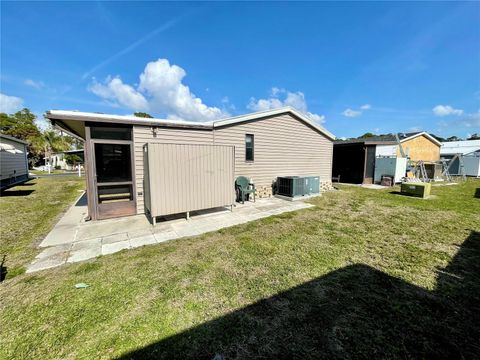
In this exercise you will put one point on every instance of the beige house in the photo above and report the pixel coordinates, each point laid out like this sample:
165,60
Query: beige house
265,145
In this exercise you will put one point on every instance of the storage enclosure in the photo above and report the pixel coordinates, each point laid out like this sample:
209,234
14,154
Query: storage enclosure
13,161
472,165
468,150
180,178
390,166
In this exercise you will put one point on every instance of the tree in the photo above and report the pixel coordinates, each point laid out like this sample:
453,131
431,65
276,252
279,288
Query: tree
72,159
20,125
52,141
454,138
474,137
143,115
366,135
439,138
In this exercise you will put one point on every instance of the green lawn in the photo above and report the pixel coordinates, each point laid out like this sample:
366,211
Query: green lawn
27,214
363,274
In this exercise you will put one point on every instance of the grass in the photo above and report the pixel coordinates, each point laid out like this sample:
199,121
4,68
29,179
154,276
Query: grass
27,214
365,273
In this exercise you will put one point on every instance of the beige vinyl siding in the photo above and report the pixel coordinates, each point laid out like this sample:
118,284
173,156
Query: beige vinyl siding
13,164
144,134
188,177
283,145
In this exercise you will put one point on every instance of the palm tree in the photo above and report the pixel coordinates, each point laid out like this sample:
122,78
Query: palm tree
52,141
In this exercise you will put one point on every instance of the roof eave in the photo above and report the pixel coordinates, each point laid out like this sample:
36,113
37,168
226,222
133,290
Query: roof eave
12,138
423,133
273,112
102,118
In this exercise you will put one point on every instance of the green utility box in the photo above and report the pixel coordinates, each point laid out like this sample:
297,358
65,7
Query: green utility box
419,189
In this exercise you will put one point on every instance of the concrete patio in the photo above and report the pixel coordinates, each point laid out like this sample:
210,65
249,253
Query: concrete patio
73,240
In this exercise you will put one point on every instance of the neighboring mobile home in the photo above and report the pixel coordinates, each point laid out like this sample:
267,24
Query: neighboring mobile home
59,161
13,161
469,150
355,160
263,146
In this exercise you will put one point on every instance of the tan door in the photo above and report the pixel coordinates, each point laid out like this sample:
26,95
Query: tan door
113,179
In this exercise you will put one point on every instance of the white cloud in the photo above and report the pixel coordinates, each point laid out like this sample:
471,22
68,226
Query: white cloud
114,89
161,90
275,91
351,113
293,99
10,104
445,110
354,113
35,84
471,120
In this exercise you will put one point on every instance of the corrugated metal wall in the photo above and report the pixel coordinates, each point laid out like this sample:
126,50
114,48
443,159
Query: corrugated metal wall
185,177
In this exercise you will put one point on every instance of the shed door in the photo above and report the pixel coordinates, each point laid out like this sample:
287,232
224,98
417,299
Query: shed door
114,188
369,165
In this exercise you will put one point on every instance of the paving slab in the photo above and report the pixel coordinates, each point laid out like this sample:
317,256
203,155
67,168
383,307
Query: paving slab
165,236
84,254
47,262
73,239
84,250
87,244
54,250
62,235
185,229
110,239
143,240
65,230
140,233
159,228
114,247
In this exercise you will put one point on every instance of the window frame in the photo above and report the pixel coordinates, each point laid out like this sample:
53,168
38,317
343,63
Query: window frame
252,137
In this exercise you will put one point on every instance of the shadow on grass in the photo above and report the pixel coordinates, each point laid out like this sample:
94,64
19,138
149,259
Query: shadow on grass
16,193
354,312
27,183
477,193
3,269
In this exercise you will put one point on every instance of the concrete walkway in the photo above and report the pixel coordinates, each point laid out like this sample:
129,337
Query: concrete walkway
73,240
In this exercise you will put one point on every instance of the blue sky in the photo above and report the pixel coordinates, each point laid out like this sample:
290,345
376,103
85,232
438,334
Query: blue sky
355,67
